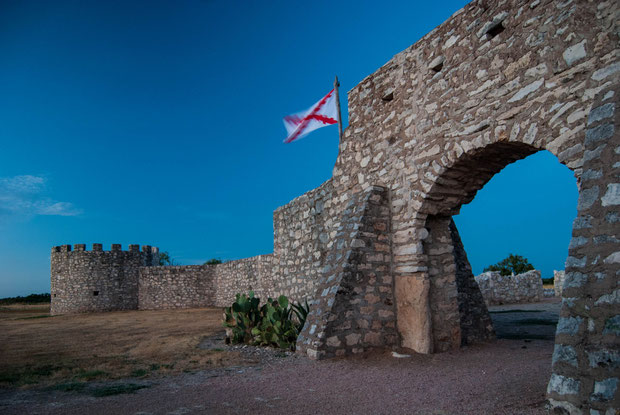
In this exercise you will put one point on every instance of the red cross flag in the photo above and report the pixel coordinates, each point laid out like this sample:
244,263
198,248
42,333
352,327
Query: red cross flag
321,114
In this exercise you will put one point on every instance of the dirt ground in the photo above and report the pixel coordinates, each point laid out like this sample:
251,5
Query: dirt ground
37,349
507,376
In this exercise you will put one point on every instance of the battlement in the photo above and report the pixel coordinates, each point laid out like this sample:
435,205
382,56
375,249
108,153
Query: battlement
98,280
147,249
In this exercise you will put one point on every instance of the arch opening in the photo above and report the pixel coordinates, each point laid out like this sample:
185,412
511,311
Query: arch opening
452,283
458,313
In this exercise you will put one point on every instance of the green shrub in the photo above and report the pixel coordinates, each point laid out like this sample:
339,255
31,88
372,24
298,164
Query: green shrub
513,264
165,259
213,261
277,323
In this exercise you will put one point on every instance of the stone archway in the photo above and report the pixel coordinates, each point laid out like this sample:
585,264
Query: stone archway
493,84
455,313
496,82
456,308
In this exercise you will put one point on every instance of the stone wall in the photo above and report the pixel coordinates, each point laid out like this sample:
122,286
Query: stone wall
353,308
176,287
458,313
498,289
495,83
304,231
212,285
97,280
476,324
558,282
586,358
244,275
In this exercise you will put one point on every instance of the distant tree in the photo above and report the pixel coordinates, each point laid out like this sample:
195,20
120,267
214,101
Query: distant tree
213,261
513,264
165,259
30,299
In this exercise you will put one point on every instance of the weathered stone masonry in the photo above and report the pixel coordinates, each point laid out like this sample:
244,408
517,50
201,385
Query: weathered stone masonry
97,280
176,287
496,82
507,289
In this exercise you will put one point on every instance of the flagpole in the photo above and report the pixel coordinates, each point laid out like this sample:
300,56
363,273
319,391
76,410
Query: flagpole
336,85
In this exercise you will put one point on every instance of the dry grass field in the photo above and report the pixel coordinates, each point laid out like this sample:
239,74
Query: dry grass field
39,349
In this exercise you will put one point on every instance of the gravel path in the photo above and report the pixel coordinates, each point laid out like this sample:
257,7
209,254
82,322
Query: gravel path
508,376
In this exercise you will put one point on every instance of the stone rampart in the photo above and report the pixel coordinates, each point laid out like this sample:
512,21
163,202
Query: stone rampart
97,280
176,287
304,231
244,275
216,285
500,289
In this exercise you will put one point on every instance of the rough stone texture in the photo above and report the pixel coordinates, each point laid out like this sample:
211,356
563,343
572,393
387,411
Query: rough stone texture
443,293
176,287
304,232
208,285
496,82
457,309
494,99
510,289
244,275
476,324
97,280
354,309
558,282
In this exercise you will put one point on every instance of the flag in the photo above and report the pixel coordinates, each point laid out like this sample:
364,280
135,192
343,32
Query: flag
321,114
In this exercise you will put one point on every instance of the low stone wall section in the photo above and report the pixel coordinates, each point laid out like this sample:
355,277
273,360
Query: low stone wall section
558,282
176,287
216,285
244,275
498,289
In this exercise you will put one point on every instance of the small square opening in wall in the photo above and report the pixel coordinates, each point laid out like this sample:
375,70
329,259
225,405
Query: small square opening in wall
95,293
436,64
388,96
495,30
54,295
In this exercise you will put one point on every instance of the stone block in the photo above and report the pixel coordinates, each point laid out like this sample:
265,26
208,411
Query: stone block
414,320
612,195
563,385
604,390
564,353
569,325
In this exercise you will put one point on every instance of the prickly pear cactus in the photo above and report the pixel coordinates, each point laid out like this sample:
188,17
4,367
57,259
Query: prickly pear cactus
277,323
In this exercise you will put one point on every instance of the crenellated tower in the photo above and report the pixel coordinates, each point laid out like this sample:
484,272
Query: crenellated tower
97,280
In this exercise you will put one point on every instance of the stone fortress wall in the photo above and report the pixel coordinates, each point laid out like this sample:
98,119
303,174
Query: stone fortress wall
130,280
375,249
98,280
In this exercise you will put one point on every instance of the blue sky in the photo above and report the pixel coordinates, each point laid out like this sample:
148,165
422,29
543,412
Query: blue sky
160,123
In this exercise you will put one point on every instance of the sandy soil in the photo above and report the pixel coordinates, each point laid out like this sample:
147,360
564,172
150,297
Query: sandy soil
507,376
